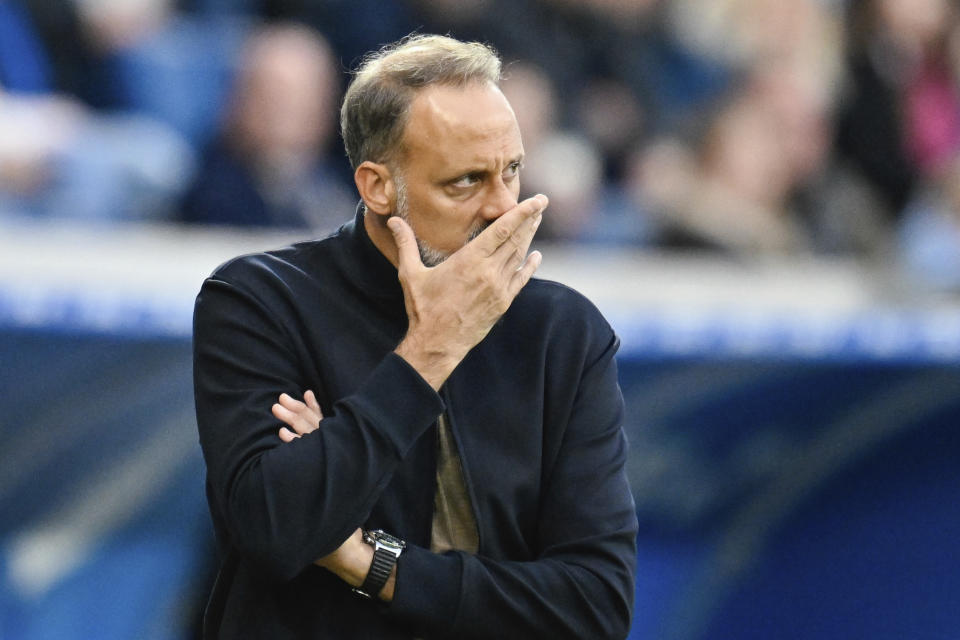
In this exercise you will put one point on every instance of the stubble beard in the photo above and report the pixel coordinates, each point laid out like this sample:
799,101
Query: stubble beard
429,255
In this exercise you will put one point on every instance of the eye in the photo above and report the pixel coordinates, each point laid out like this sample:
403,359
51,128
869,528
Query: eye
512,170
467,181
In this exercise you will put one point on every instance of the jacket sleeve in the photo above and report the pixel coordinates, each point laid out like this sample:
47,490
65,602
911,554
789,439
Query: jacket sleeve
284,505
581,583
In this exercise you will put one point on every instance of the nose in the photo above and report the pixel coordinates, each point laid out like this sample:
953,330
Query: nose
499,199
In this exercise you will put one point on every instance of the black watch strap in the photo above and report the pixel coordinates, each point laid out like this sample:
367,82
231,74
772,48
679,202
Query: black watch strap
386,550
380,569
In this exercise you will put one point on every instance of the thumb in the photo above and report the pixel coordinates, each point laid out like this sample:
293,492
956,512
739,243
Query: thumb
407,252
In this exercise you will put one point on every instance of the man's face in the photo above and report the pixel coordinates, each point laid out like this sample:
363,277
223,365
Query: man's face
460,166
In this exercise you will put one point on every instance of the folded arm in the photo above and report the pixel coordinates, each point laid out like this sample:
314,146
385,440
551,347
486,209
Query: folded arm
581,582
286,504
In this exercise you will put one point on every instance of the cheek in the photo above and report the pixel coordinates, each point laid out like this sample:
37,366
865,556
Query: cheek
444,223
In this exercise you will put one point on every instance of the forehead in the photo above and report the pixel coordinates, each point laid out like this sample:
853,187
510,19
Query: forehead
461,125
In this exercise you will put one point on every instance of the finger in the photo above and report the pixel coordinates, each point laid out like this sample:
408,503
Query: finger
310,416
293,419
311,401
494,236
292,403
283,414
286,435
408,255
525,272
514,252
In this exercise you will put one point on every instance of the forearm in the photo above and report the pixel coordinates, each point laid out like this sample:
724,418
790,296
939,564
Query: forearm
572,596
579,582
286,504
287,508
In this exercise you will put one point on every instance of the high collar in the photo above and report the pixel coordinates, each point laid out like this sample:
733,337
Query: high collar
377,275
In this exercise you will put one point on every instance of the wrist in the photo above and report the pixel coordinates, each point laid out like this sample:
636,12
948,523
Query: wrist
355,571
350,561
433,364
381,575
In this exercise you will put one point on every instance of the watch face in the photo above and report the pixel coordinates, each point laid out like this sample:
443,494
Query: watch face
383,539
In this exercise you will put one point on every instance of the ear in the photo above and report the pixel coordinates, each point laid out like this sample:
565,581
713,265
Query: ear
375,184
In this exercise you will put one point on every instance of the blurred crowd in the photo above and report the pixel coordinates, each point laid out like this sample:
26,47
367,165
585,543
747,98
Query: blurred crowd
740,127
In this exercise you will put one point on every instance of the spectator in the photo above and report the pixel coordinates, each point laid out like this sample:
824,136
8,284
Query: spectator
569,165
270,166
896,85
59,158
154,60
739,203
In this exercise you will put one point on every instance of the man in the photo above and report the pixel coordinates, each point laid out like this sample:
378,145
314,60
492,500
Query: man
269,165
471,414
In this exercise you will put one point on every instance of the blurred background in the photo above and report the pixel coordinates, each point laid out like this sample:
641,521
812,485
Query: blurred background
763,196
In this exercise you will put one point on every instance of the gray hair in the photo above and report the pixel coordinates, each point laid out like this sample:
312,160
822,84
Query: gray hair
377,103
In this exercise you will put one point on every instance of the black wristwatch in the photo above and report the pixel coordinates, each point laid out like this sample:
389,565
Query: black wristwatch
386,550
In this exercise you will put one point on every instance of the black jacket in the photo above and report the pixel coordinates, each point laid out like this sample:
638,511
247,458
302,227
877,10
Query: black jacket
536,412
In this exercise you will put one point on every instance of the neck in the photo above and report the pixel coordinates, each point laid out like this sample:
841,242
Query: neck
381,236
